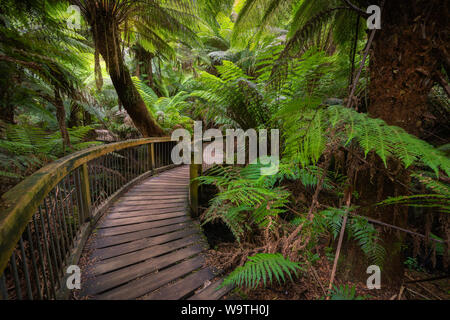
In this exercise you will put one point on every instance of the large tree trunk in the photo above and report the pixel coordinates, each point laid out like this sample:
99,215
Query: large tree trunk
403,61
107,39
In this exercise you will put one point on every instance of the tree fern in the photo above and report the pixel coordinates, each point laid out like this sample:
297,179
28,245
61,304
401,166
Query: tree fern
372,135
233,96
245,200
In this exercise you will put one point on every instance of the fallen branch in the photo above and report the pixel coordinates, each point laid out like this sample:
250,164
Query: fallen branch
428,279
425,288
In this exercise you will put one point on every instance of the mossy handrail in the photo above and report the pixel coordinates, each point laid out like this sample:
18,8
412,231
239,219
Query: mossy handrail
18,205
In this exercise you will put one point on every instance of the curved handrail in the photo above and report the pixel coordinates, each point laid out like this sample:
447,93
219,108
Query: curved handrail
18,205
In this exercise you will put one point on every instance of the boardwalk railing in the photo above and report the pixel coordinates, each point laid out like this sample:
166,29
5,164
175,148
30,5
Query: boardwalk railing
46,219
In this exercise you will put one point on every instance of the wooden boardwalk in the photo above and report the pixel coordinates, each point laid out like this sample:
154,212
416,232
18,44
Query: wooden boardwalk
147,246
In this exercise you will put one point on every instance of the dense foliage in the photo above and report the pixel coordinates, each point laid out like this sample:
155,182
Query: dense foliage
242,64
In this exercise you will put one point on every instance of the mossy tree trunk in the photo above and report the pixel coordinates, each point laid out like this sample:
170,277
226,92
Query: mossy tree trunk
107,40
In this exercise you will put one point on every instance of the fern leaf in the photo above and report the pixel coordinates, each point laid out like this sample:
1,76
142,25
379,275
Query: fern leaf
260,267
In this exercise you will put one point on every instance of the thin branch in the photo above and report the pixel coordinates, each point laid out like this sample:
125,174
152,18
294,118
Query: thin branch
341,238
355,81
360,11
429,279
395,227
366,52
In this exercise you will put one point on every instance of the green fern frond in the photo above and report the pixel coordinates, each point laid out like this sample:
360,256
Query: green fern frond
246,199
262,267
367,237
388,141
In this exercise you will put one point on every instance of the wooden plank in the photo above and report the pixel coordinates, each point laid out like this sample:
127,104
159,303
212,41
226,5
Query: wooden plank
108,223
165,190
140,208
152,197
166,185
160,186
170,177
166,176
150,202
142,255
155,193
146,212
142,286
154,184
110,241
181,177
156,198
182,287
114,279
114,231
129,247
211,292
172,182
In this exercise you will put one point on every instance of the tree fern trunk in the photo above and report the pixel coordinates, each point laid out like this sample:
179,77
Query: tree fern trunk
107,39
403,60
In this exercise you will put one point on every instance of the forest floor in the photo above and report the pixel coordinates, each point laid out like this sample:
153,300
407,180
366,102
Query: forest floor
313,284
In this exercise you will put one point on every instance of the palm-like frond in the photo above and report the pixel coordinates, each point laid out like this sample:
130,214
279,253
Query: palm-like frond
256,16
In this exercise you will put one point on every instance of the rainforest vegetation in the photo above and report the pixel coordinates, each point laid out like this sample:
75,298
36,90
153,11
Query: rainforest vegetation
363,114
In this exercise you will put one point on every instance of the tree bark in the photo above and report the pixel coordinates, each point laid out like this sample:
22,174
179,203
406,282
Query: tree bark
107,39
403,61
